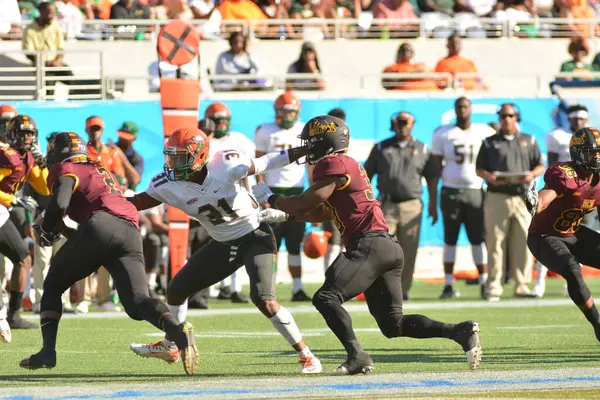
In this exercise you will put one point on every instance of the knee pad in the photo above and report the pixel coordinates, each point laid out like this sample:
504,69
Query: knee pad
479,252
294,260
449,253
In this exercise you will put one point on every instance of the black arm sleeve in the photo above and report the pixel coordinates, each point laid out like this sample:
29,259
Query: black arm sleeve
62,190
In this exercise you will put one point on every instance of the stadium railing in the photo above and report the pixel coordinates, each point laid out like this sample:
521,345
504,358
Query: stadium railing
429,25
24,80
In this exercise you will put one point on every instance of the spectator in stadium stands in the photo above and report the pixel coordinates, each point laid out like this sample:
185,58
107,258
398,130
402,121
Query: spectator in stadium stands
133,162
404,65
237,61
241,9
454,64
481,8
44,33
278,9
437,6
516,11
202,9
341,8
580,9
389,9
173,9
70,18
307,63
400,163
129,9
579,49
305,9
506,217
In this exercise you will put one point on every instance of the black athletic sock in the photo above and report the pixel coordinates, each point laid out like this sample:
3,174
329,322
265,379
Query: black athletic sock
340,323
158,314
14,303
420,327
49,332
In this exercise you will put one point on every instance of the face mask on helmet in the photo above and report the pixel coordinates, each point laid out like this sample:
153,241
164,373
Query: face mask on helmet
286,116
223,125
179,163
588,159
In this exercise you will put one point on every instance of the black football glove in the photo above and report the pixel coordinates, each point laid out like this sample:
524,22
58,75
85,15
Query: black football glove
531,198
45,239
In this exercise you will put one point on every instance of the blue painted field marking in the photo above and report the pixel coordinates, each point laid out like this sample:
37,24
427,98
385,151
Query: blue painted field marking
349,387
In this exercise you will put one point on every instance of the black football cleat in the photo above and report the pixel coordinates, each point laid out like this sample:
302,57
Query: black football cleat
356,364
18,322
467,335
238,297
449,292
224,293
597,331
300,295
43,359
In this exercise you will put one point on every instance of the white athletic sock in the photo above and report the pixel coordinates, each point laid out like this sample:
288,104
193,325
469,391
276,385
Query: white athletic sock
286,326
179,312
305,352
483,278
236,285
449,278
297,285
151,279
541,270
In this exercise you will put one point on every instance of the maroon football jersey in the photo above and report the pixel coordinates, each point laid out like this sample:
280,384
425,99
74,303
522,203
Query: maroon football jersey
20,166
95,190
575,198
354,207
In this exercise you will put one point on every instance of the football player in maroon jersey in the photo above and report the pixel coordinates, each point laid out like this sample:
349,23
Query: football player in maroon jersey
108,235
373,260
556,238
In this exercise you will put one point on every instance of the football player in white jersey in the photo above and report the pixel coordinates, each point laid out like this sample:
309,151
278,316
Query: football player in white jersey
280,135
209,189
224,139
557,145
454,149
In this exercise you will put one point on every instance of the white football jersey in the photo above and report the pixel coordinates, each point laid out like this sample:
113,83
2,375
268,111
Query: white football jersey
460,148
225,209
557,141
233,141
271,138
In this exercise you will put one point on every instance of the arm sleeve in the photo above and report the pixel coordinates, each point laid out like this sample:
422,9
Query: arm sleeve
153,190
62,190
38,178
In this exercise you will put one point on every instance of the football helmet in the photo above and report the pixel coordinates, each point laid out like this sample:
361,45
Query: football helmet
186,152
315,244
585,149
220,114
21,133
324,135
7,112
66,146
287,110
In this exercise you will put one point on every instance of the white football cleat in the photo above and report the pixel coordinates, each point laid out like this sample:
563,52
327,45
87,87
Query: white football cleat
166,352
5,334
108,306
540,288
312,365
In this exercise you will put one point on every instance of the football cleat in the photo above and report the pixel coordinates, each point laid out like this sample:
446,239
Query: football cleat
449,293
43,359
300,295
18,322
358,364
5,335
467,335
188,349
160,350
312,365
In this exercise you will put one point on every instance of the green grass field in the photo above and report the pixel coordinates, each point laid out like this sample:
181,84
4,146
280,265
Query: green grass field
241,345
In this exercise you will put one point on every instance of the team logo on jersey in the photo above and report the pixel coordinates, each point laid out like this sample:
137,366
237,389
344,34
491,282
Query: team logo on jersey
588,204
317,128
191,201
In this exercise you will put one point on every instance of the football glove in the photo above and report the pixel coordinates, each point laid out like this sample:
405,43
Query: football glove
272,215
262,193
531,198
27,202
38,156
45,239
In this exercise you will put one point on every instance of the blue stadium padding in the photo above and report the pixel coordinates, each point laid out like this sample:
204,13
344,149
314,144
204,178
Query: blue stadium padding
368,119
